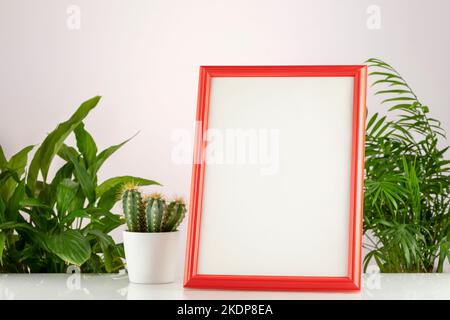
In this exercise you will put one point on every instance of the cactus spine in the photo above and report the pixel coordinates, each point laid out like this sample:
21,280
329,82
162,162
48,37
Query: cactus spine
155,206
132,208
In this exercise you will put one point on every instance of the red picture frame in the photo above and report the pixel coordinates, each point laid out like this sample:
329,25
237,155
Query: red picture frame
352,282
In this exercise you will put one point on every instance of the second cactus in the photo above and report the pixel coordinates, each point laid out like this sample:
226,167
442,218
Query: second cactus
174,215
155,207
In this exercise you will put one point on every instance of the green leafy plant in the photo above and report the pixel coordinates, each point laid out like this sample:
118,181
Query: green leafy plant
151,213
407,182
47,224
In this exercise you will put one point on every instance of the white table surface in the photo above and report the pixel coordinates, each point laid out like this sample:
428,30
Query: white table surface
104,286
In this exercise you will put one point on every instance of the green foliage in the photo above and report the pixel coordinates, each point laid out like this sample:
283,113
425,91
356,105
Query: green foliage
151,214
47,224
407,182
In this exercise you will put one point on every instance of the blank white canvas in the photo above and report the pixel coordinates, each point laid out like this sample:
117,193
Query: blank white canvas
294,222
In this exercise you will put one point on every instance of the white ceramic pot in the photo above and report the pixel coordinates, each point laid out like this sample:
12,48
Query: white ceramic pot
151,257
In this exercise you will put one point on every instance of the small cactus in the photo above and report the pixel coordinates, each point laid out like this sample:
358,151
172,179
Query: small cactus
151,213
132,208
174,215
155,206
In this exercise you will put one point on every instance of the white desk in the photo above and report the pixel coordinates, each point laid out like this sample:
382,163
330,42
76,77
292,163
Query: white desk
91,286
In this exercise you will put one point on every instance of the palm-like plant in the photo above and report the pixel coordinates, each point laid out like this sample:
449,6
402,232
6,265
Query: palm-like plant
407,181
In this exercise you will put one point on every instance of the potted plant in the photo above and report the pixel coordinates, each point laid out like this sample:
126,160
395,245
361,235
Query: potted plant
48,221
152,237
407,180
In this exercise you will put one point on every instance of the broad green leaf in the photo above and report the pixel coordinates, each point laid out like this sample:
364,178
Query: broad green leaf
16,164
108,225
41,218
113,187
53,142
14,201
105,239
109,198
8,182
33,170
32,202
2,211
120,250
2,246
73,215
105,154
112,258
114,182
78,202
64,150
107,245
29,255
5,175
19,160
65,172
15,225
103,220
102,213
3,161
71,246
91,213
83,177
65,193
86,144
107,257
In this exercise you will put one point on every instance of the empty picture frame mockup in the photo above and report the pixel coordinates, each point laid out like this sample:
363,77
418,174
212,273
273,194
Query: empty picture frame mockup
277,181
